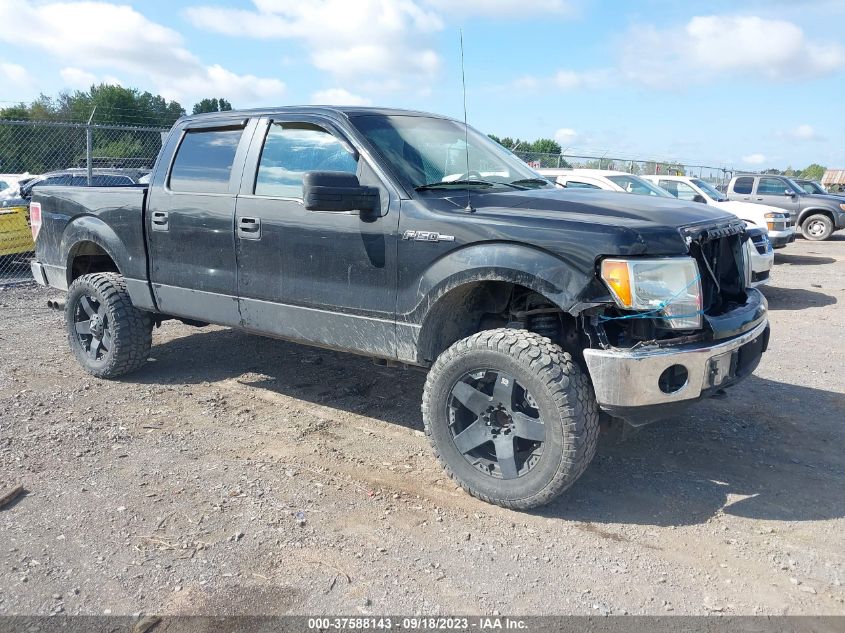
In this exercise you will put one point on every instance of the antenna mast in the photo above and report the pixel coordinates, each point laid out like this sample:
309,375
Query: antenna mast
468,208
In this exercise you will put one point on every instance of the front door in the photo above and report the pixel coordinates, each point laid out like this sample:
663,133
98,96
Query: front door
772,191
327,278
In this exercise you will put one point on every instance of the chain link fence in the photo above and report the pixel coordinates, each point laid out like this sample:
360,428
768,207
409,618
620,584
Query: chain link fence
55,152
643,167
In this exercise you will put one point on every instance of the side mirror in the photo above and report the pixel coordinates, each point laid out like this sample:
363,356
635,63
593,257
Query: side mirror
337,191
788,192
699,198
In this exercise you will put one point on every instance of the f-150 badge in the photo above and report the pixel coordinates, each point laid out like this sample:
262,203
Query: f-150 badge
427,236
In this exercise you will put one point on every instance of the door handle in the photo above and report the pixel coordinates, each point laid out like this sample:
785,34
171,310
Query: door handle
249,228
759,197
160,221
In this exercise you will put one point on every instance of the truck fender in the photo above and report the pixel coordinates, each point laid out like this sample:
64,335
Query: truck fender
87,228
805,213
559,281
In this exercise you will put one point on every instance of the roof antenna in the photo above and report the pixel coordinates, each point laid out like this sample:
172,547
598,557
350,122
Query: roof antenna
468,208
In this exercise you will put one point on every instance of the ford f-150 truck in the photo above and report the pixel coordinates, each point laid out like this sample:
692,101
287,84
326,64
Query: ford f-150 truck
818,216
415,240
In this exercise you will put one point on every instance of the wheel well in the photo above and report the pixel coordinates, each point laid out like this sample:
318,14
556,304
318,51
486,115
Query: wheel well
811,212
89,257
486,305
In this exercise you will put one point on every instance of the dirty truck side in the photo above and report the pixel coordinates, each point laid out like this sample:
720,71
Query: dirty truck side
408,238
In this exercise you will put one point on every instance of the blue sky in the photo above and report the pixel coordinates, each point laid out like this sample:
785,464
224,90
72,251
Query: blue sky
747,84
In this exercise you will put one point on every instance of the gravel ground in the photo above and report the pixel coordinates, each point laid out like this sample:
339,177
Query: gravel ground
241,475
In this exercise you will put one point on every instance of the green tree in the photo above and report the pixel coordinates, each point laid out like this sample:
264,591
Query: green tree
813,172
39,148
545,146
212,105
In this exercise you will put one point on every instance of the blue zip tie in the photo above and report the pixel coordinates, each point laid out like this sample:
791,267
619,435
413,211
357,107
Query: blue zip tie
651,314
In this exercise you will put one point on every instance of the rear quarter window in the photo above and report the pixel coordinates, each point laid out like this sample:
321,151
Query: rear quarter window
743,185
204,161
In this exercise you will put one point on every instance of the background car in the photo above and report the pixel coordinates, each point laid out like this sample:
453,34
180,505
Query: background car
774,220
15,232
811,186
606,179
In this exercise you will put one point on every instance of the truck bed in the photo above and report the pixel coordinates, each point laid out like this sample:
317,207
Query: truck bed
114,214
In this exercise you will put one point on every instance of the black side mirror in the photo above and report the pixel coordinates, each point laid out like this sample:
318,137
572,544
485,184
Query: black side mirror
337,191
699,198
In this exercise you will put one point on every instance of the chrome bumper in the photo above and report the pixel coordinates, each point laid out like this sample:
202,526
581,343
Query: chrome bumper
630,378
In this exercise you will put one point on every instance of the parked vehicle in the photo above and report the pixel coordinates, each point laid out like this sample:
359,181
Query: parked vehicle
817,216
811,186
762,257
774,220
606,179
415,240
15,233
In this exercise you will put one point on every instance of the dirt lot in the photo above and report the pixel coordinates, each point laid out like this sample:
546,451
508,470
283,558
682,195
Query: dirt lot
237,474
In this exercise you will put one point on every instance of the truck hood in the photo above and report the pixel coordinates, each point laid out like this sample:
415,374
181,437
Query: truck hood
607,208
587,224
831,201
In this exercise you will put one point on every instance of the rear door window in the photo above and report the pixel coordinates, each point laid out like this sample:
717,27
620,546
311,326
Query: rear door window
743,185
204,160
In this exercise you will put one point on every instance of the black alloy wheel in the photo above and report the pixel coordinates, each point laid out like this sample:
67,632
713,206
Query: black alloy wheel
495,423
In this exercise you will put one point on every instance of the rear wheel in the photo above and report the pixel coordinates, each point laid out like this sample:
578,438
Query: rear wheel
107,334
511,417
817,227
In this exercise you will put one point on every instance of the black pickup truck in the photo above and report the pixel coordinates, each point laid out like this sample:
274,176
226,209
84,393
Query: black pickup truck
415,240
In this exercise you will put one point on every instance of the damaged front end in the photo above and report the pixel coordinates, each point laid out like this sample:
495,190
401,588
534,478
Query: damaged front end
647,363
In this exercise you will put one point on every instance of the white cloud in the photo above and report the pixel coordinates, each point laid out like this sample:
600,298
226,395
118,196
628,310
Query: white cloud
103,35
366,38
754,159
804,132
566,136
718,45
338,96
77,78
503,8
14,73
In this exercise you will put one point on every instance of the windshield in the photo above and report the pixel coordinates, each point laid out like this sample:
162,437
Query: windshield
811,187
794,185
635,184
431,151
709,189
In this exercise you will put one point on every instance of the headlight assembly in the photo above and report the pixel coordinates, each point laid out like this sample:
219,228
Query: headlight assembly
667,289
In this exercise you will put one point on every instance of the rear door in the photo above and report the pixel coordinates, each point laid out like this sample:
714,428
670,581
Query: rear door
190,223
327,278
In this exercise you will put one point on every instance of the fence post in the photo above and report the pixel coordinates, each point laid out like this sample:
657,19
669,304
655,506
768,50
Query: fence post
89,142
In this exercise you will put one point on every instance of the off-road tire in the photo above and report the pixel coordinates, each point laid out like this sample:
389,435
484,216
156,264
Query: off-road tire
817,228
130,328
564,398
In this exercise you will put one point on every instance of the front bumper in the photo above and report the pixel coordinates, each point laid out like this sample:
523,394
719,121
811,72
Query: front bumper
638,385
779,239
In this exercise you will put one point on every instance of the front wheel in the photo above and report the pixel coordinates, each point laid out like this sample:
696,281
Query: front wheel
817,227
107,334
511,417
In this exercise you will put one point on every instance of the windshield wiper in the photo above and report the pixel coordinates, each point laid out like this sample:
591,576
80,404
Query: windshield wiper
530,181
465,183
